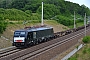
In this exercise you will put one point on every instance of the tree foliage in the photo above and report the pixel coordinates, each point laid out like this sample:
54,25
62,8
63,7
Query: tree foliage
31,10
50,11
64,7
64,20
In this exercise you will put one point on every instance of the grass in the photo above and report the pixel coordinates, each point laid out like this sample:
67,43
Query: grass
4,43
73,58
51,22
77,25
83,54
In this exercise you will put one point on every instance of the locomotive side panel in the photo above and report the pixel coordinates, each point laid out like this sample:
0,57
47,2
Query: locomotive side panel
44,33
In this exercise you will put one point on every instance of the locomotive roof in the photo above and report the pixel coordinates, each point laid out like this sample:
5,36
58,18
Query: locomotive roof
35,29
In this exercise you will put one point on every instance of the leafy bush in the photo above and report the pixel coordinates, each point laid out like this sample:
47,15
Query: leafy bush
28,12
86,39
2,26
13,14
64,20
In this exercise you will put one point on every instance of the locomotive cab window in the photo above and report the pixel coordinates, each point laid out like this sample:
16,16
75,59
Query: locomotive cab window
19,34
22,34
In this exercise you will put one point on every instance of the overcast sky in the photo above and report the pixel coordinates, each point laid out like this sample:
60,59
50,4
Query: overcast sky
81,2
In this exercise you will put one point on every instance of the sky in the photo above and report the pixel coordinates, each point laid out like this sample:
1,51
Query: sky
81,2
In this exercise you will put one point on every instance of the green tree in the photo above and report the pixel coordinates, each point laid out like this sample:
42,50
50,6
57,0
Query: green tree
18,4
50,11
64,20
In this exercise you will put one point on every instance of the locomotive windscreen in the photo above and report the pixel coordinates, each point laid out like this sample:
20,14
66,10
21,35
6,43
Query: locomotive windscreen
19,34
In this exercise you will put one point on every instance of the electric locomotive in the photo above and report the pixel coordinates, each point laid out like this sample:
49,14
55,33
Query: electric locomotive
32,36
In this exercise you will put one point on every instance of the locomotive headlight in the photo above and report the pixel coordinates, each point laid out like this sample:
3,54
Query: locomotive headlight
32,41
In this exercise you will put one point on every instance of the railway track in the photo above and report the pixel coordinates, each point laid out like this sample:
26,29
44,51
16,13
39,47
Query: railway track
5,50
8,51
43,50
30,53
